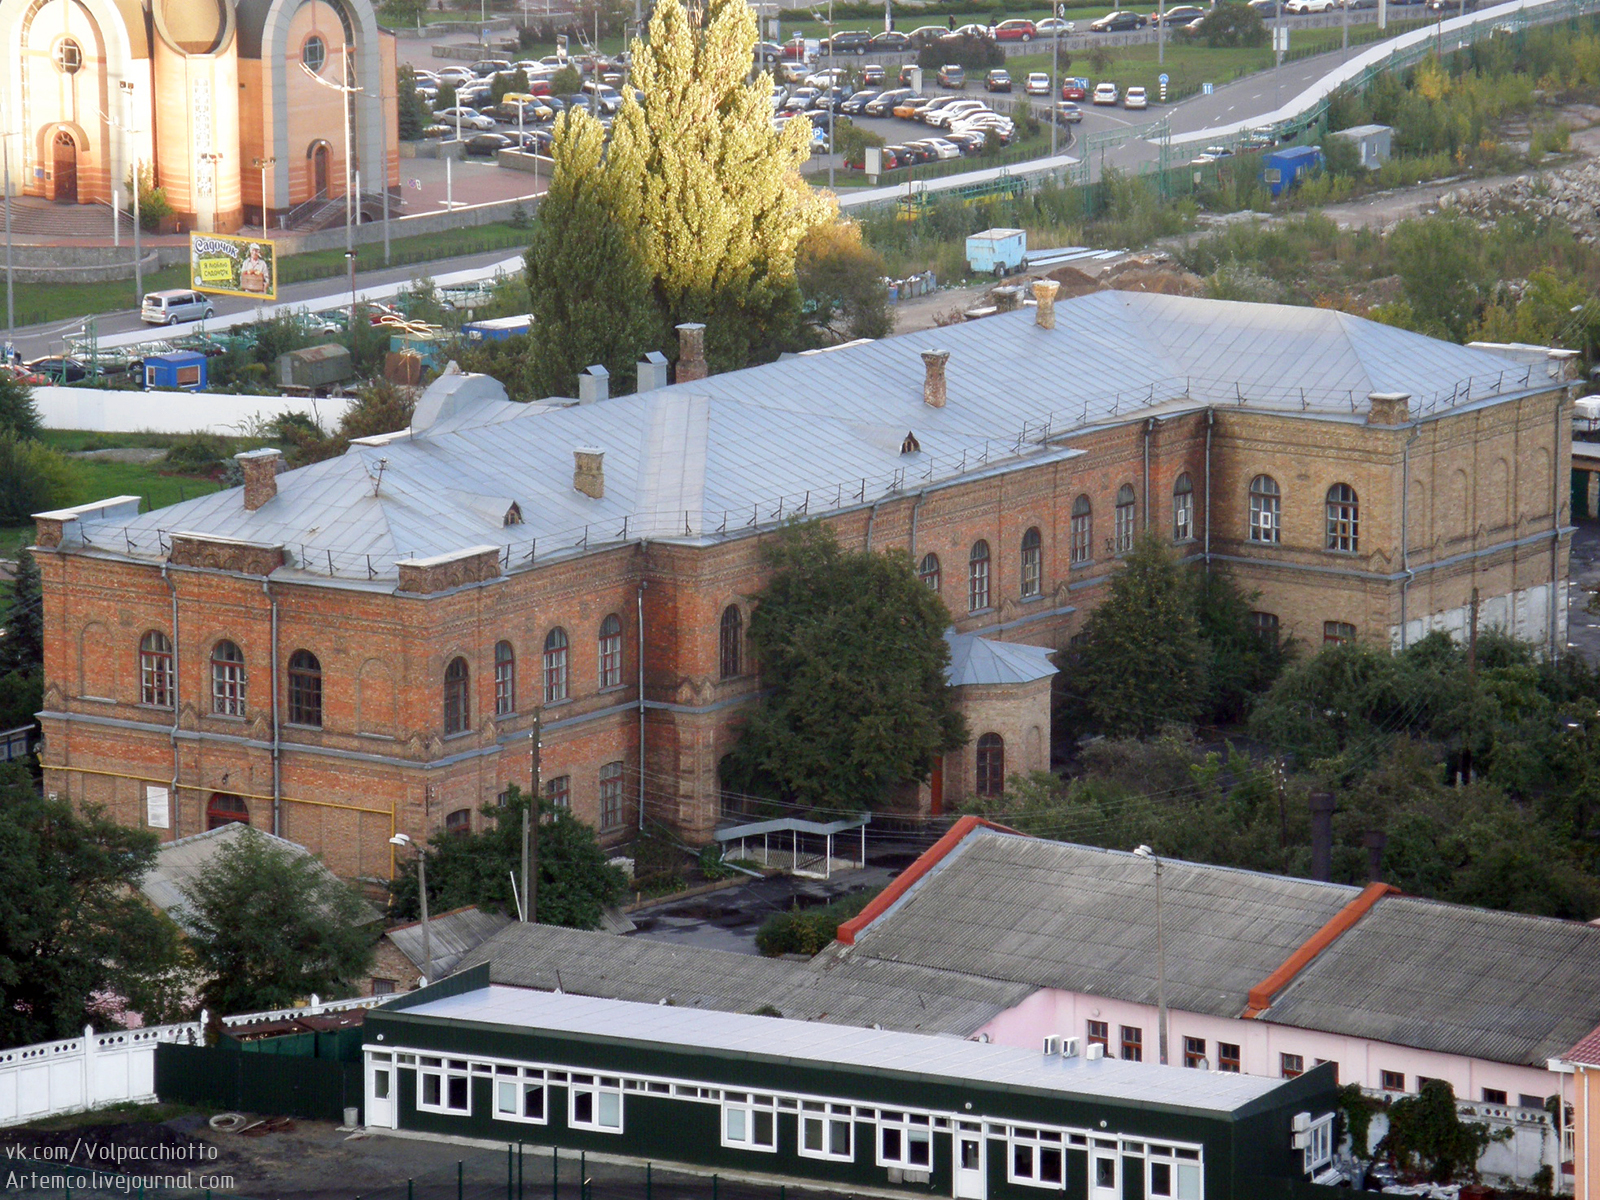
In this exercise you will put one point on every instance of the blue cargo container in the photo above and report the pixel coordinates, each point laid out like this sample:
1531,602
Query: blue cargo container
999,251
1281,168
497,329
179,371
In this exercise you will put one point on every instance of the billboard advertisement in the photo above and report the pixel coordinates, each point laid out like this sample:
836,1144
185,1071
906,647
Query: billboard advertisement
233,266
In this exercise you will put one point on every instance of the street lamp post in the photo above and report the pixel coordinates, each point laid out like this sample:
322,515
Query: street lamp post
261,165
1161,954
402,840
5,153
351,205
138,182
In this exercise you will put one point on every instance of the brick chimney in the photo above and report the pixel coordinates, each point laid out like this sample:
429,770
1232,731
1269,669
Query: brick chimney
933,386
589,471
1044,296
260,469
1389,408
1007,299
691,352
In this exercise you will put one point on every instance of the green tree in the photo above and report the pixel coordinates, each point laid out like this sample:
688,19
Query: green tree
22,623
1143,665
1426,1131
1233,23
576,882
842,280
397,14
590,287
851,649
74,930
1441,268
18,415
413,114
33,478
712,188
1240,663
268,927
565,82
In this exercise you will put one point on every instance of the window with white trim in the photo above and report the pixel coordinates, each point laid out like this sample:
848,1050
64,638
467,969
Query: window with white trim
1036,1158
1173,1174
519,1095
826,1131
749,1122
1319,1145
595,1102
904,1140
443,1086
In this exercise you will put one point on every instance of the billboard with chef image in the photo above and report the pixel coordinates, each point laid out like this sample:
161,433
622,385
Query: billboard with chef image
232,266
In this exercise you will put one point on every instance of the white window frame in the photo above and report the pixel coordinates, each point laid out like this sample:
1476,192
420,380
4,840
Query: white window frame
445,1070
1319,1144
824,1117
906,1124
1186,1180
1038,1142
740,1115
598,1087
524,1080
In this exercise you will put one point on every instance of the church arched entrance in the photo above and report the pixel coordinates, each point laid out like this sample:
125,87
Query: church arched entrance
319,170
65,167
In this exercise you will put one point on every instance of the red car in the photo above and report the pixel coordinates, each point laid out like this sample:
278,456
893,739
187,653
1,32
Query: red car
1015,31
1075,89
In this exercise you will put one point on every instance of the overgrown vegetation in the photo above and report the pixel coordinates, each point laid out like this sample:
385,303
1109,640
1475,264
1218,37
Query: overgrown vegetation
809,930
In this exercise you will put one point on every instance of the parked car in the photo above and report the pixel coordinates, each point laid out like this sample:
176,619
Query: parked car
1179,14
831,99
914,154
895,156
892,41
173,305
1075,89
56,368
1120,21
853,41
1302,7
997,80
454,76
952,76
905,74
487,144
1000,131
465,118
1037,84
609,99
857,104
943,148
1054,27
1068,113
1265,9
970,141
486,67
1135,98
1016,30
800,99
1106,93
926,112
884,105
927,35
965,108
873,75
972,30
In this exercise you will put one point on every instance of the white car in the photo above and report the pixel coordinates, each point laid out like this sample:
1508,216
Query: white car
455,75
1135,98
467,118
972,31
942,148
1105,93
1037,84
955,112
1299,7
1054,27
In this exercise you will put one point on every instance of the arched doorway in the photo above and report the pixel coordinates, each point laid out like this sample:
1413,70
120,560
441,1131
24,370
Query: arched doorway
66,168
319,170
223,809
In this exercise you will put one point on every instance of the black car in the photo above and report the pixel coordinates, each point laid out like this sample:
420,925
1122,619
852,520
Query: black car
857,104
997,80
57,369
883,106
894,41
1181,14
851,42
917,153
488,143
1119,22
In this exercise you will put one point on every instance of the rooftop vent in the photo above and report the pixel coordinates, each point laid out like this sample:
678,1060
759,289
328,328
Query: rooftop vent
692,352
594,384
1007,299
933,386
910,445
652,371
1044,297
589,471
260,469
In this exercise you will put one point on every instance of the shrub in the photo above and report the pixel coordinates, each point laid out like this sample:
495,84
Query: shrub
1232,23
33,478
808,931
197,453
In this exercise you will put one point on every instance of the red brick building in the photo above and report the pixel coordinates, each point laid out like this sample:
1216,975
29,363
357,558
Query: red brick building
359,646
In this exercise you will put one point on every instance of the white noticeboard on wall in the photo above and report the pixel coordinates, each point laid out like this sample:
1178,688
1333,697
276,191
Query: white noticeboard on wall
157,814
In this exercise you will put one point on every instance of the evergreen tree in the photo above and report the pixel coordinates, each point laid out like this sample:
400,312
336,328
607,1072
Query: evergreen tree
18,416
412,113
714,190
852,652
22,625
591,292
1144,663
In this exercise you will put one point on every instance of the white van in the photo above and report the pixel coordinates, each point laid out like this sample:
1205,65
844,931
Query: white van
175,305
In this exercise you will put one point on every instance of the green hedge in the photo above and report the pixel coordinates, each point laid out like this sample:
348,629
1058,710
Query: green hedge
809,930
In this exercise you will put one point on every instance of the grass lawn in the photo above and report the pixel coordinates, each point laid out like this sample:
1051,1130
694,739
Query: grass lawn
38,303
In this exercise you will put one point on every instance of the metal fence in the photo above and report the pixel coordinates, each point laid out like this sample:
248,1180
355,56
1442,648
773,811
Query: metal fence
226,1077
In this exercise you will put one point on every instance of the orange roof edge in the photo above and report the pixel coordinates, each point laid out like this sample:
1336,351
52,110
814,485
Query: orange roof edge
1261,995
902,882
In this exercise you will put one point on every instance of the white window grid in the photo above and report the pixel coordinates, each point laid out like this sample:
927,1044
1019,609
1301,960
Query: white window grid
1037,1157
827,1131
520,1094
1183,516
905,1140
1319,1145
750,1121
594,1102
444,1085
1173,1173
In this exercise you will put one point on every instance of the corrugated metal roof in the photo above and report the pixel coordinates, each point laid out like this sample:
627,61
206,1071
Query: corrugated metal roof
816,432
827,989
452,934
1497,985
978,660
856,1049
1053,914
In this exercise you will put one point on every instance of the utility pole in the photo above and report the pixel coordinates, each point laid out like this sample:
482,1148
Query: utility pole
1055,67
1472,685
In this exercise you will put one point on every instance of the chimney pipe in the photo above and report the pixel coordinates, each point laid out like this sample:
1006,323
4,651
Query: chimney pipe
1388,408
933,386
1374,840
692,352
1322,805
260,469
594,384
1044,296
1007,299
589,471
652,372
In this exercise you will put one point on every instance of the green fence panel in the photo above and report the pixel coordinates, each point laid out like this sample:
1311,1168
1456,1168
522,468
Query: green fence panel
268,1083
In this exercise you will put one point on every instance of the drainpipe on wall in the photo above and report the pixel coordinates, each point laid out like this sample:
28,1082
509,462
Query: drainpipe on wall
177,698
277,742
1556,458
1149,425
1405,527
871,517
1211,417
639,601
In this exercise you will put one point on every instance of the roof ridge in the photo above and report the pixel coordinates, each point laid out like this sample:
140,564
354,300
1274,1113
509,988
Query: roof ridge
1338,925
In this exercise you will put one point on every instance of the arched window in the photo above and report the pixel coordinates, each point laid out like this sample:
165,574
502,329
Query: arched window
223,809
732,641
1032,562
928,570
305,689
978,577
228,679
611,652
1182,509
459,821
1266,509
1344,518
1082,530
555,665
505,679
156,683
457,698
991,764
1125,514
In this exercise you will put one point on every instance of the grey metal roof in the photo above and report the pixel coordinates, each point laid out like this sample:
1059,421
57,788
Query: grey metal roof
1496,985
452,934
865,993
853,1048
180,862
1058,915
816,432
978,660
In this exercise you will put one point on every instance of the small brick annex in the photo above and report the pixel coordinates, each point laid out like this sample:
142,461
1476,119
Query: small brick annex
1462,501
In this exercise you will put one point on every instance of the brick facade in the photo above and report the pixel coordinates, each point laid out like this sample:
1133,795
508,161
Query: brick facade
1466,499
